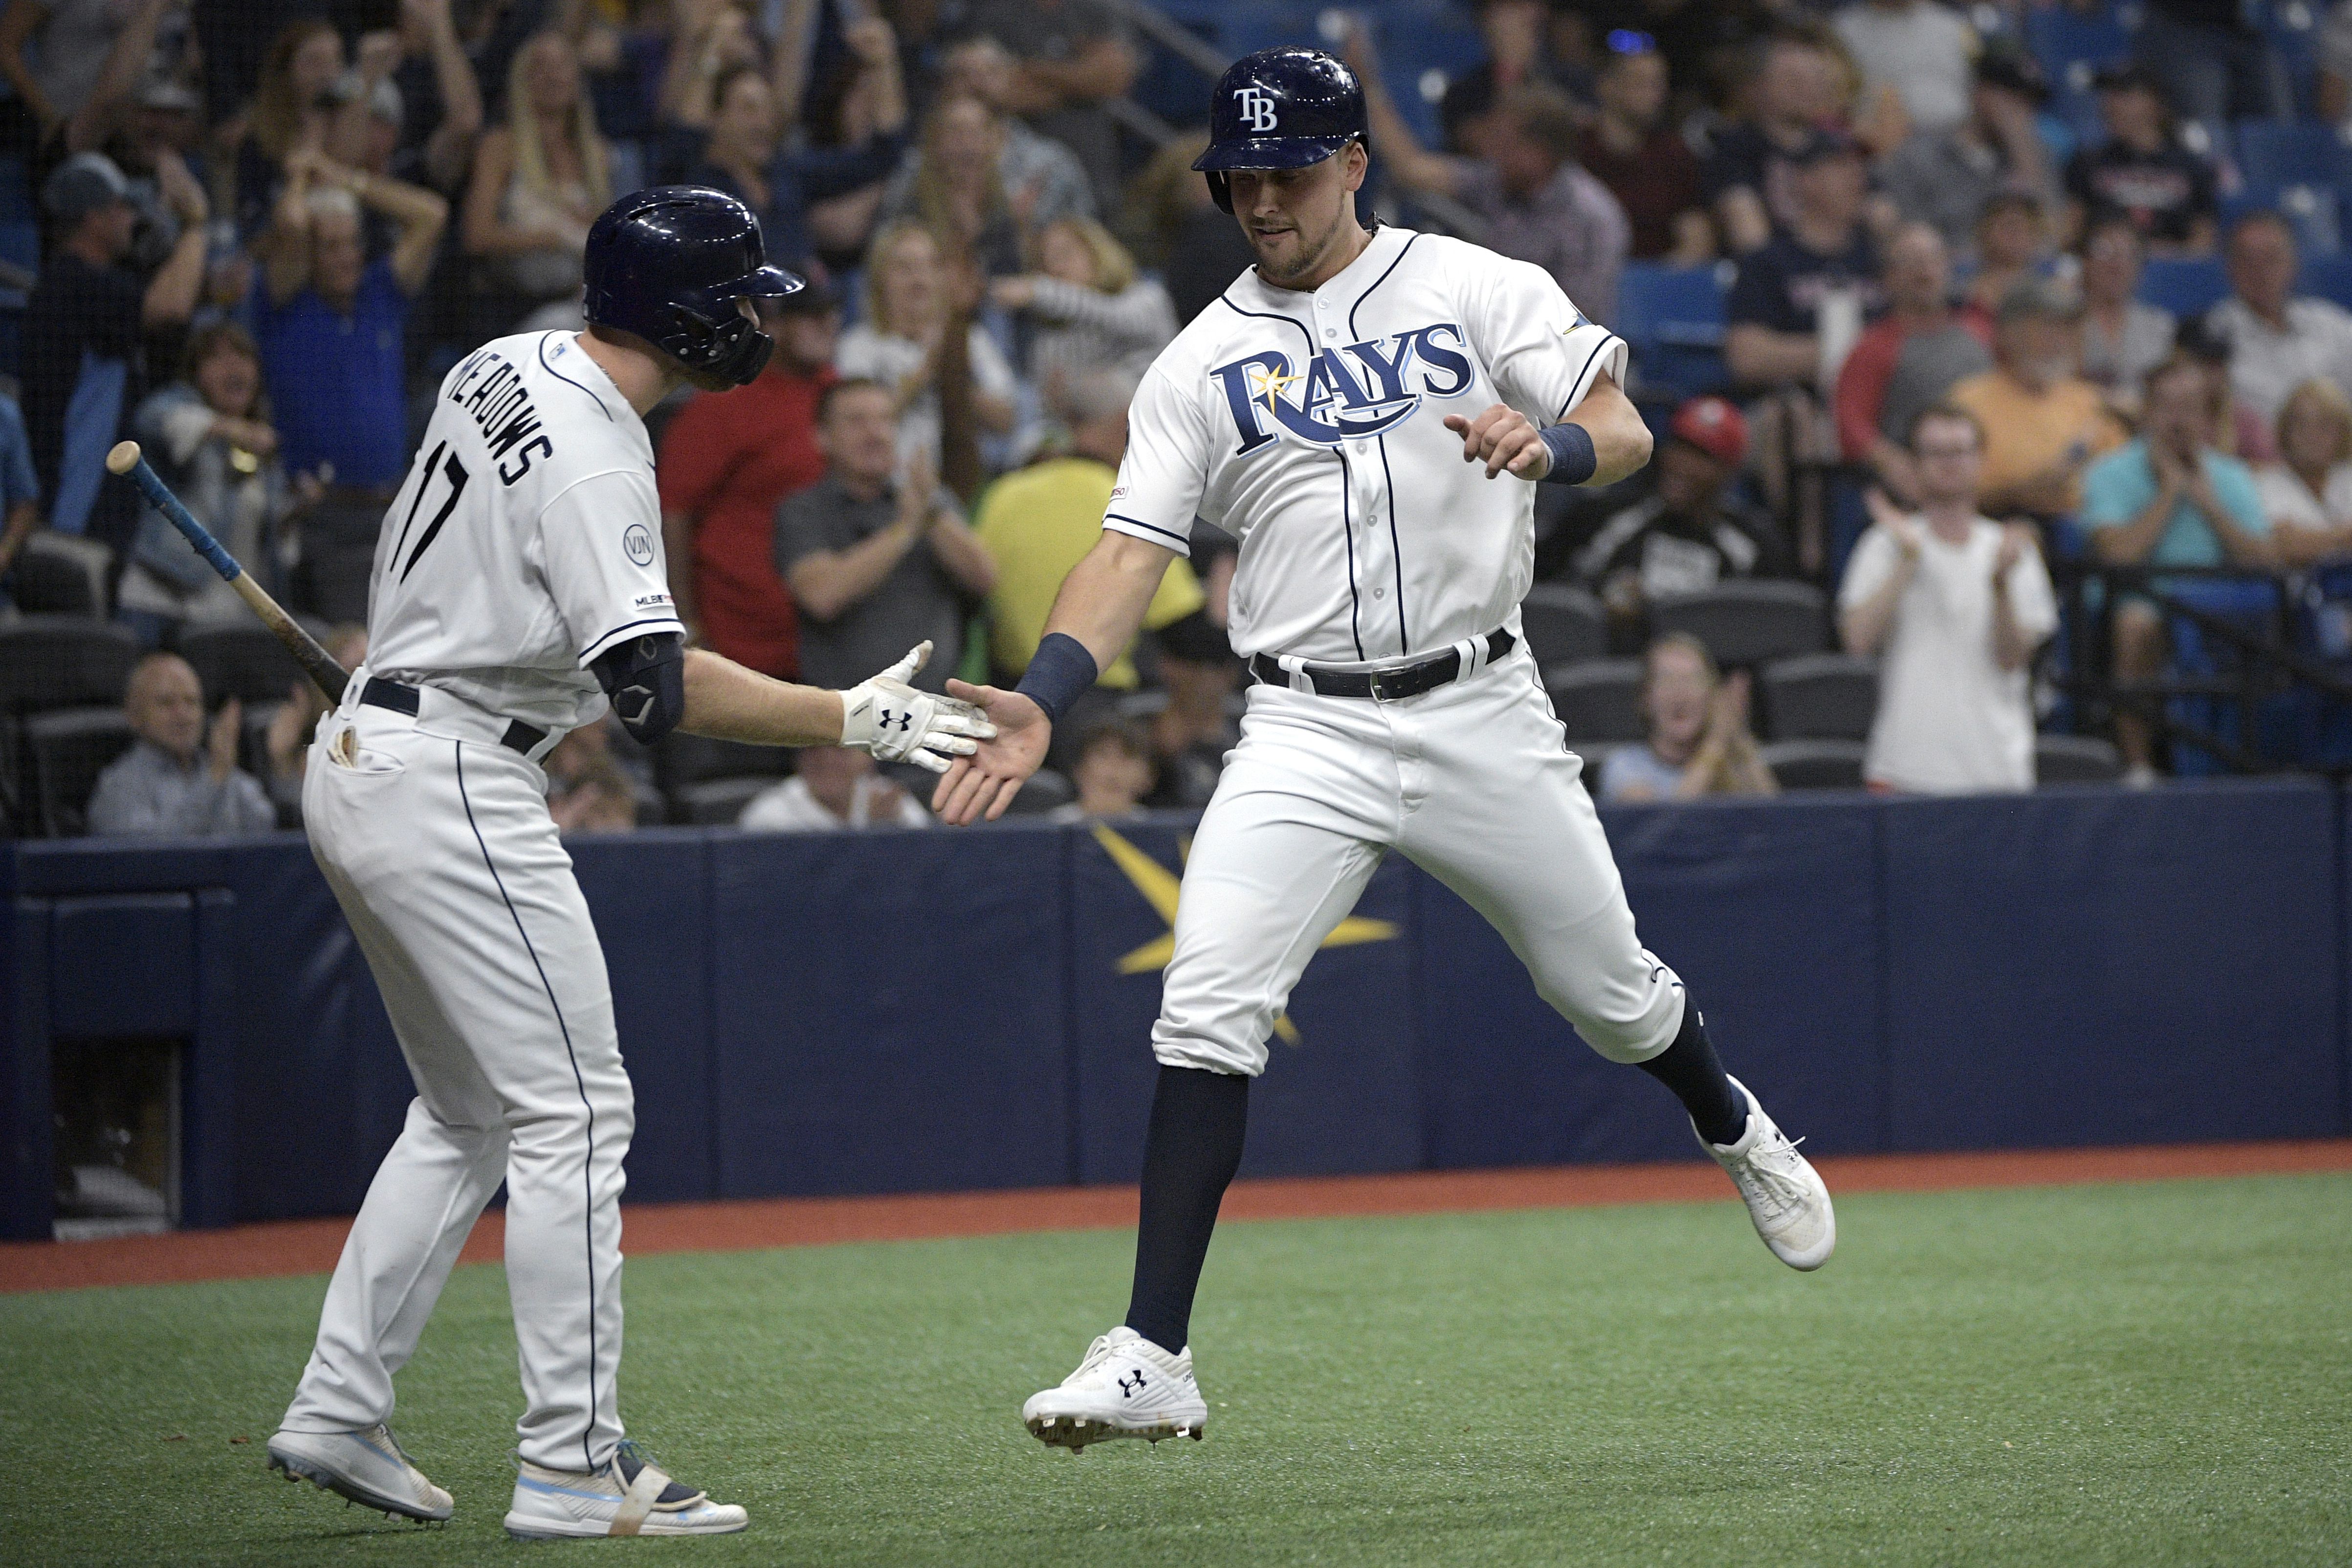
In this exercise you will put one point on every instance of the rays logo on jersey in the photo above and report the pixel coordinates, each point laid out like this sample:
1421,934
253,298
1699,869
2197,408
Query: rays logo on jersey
1343,394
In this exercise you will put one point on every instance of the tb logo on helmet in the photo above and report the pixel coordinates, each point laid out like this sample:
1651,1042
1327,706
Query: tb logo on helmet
1256,108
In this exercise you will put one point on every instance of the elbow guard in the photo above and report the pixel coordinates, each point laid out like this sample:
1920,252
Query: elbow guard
646,679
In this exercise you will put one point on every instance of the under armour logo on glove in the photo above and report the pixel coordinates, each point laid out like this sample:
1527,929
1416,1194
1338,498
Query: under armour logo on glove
1127,1393
899,724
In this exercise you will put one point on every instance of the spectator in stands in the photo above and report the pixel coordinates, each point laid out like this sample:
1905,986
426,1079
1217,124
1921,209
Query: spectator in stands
2010,250
1632,148
2123,339
332,325
179,777
1947,177
1908,361
20,486
1953,604
208,435
954,184
1773,339
1690,533
1075,57
1091,310
2211,58
84,356
1036,522
1697,741
1043,176
286,741
440,96
598,800
732,136
540,179
2140,172
2276,339
1518,52
727,459
2041,422
907,306
2308,493
835,790
54,53
1538,204
875,564
1198,249
294,110
706,39
2169,498
1115,772
1192,733
1921,52
1750,175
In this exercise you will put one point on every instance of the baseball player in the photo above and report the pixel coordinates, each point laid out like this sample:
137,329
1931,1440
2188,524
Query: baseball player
519,589
1368,413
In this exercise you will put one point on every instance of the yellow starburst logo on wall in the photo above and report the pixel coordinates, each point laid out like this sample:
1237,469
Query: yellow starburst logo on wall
1158,887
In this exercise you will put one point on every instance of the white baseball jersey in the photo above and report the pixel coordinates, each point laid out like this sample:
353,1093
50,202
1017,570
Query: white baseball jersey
1311,427
526,539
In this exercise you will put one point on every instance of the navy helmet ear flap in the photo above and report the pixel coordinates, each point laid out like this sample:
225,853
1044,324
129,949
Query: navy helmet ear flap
1221,188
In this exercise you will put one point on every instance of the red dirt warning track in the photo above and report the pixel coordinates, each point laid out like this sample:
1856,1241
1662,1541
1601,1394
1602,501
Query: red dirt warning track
310,1247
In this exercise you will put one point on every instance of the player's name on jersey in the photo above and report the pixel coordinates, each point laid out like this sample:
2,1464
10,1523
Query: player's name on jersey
494,393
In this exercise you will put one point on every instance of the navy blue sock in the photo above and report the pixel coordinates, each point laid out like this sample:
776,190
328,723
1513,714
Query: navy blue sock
1190,1155
1689,1068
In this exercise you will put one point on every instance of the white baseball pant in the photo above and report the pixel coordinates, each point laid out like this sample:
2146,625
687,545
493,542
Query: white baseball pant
437,842
1473,783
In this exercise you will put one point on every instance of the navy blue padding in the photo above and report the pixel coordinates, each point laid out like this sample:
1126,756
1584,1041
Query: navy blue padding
1764,909
1343,1098
2114,967
649,894
94,943
888,1011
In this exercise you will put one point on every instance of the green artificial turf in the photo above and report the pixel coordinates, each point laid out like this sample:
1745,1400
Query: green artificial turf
2137,1374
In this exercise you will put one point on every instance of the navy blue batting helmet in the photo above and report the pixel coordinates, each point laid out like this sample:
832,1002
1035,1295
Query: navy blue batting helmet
1282,108
669,264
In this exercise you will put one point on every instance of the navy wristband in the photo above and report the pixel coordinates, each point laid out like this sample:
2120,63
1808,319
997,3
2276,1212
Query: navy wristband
1059,673
1572,458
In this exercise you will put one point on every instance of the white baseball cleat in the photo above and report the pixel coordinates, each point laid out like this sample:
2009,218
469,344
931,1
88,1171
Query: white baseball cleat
1126,1387
630,1496
1786,1196
366,1466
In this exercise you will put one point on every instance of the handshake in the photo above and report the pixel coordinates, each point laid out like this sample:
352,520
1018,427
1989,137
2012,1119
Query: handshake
898,723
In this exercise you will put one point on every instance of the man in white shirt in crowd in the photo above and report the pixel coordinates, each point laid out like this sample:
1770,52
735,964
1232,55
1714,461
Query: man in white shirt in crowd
836,789
2277,341
1955,604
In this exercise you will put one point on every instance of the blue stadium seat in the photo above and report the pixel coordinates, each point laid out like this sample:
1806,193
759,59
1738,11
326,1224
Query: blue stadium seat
2071,45
2281,153
2183,286
2330,277
2314,212
1672,318
2292,27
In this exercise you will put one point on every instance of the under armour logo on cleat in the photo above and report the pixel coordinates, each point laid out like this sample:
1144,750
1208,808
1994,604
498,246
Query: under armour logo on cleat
1127,1393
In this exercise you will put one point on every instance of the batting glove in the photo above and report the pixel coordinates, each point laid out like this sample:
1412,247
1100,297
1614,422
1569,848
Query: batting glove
899,724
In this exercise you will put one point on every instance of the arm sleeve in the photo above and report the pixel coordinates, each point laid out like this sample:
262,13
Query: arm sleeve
601,543
696,458
1140,314
1166,465
1542,351
1753,299
1866,571
1861,391
2030,598
2107,493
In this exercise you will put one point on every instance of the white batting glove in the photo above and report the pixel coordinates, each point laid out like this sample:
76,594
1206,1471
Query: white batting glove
899,724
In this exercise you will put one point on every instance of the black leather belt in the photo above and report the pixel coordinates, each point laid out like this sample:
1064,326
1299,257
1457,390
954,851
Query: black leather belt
381,693
1386,685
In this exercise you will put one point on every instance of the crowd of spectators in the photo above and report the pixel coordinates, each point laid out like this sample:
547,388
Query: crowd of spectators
265,233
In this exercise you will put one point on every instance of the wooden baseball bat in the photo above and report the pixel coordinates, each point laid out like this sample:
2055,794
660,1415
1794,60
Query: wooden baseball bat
331,677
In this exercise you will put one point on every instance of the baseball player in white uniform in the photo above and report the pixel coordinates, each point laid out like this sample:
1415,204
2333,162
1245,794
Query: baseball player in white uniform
1367,412
519,588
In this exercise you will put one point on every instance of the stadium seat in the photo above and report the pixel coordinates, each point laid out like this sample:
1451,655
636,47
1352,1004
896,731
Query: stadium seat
716,803
2292,27
1818,697
2186,286
1046,791
62,574
2328,277
1597,698
1672,318
63,661
1563,624
246,662
2290,153
2072,45
68,749
2075,759
1814,764
1746,623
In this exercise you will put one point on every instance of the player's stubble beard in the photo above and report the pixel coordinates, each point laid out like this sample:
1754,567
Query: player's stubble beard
1311,254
